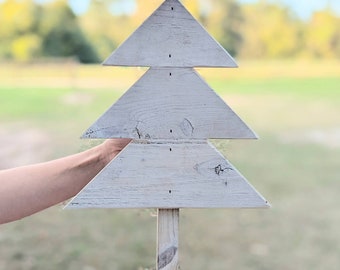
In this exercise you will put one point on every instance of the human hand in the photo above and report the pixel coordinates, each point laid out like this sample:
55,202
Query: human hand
112,147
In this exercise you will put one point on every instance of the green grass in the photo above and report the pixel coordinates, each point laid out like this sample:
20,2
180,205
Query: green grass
295,165
30,103
51,103
324,88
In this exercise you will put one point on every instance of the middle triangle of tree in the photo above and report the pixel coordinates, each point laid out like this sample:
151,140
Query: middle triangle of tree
170,103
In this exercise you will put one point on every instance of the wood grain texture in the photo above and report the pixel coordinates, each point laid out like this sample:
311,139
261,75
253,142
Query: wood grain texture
170,103
166,175
171,37
167,239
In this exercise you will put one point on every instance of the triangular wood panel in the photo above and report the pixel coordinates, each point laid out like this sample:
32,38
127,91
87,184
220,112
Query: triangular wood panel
171,37
169,175
170,103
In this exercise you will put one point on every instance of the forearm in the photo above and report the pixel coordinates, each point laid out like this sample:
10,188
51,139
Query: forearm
27,190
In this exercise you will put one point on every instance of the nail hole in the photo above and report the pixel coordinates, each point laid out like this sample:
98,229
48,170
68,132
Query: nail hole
170,130
169,55
170,74
172,8
170,191
170,149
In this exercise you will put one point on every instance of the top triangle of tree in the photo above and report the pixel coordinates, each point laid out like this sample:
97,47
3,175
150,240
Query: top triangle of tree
171,39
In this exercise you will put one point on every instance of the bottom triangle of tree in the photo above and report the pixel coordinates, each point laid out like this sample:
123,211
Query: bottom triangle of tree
169,175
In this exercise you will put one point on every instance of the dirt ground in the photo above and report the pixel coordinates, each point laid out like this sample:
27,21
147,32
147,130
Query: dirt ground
22,144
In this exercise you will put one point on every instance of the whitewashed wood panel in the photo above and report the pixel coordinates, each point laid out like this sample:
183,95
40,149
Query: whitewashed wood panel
171,37
167,239
169,175
170,103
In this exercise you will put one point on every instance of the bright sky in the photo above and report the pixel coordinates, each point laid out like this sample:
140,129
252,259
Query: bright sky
303,8
80,6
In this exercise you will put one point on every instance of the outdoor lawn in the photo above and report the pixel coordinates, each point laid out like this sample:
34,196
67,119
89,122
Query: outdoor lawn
294,107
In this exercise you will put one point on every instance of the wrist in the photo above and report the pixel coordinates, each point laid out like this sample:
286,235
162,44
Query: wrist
111,148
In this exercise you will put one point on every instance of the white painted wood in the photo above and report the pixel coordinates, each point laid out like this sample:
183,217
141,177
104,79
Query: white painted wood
170,103
167,239
177,174
171,37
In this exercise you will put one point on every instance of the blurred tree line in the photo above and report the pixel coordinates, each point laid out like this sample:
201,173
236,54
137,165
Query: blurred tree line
264,29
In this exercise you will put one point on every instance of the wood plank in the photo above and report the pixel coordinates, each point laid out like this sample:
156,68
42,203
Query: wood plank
166,175
170,103
171,37
167,239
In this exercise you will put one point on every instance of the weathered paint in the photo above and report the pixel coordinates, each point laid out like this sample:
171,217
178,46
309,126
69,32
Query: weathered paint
160,106
166,174
167,239
171,37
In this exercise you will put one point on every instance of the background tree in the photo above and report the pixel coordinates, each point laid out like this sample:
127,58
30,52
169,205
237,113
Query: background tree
264,29
269,31
224,20
323,35
97,24
33,31
63,35
194,7
20,22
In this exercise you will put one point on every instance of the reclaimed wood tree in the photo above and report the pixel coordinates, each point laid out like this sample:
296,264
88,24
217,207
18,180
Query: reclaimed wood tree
170,113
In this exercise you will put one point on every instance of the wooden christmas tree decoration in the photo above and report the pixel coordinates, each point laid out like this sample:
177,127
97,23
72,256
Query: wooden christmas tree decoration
170,113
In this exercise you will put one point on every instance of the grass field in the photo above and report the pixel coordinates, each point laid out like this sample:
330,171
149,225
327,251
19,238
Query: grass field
293,106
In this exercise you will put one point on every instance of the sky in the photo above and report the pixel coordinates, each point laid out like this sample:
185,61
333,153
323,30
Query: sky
303,8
